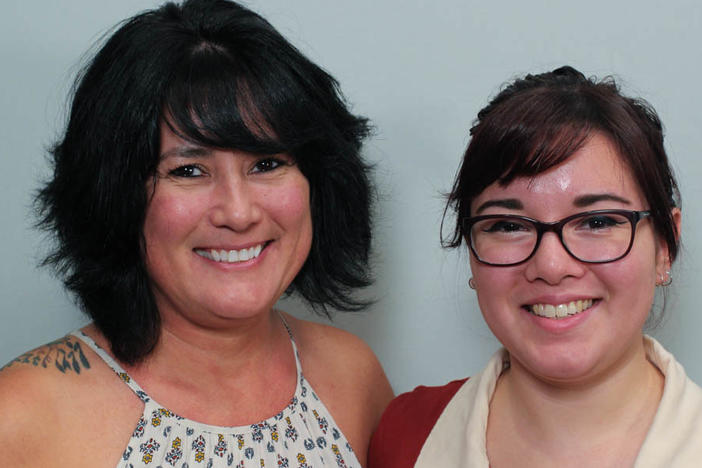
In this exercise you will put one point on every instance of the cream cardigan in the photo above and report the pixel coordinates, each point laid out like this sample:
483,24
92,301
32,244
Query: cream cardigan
674,439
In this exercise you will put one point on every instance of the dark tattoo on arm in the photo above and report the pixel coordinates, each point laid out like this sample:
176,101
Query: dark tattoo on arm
64,354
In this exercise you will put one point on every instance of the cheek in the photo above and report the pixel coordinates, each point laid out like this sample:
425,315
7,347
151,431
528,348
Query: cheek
291,204
299,217
631,282
167,217
295,203
493,286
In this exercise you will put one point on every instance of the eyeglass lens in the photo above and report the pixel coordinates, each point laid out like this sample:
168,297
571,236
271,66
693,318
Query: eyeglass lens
597,237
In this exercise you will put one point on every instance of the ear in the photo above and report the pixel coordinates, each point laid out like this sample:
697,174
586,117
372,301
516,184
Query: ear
663,260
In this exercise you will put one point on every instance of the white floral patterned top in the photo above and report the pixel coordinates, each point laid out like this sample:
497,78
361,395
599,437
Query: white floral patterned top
302,435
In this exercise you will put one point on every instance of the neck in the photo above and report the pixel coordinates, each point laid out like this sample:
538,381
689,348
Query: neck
226,376
221,351
604,409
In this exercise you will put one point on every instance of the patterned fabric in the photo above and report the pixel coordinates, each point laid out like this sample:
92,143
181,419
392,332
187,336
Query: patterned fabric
302,435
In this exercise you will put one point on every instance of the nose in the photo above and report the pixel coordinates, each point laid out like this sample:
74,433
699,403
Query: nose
235,205
552,263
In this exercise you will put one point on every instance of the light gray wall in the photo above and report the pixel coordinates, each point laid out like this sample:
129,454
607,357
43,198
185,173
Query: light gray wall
421,70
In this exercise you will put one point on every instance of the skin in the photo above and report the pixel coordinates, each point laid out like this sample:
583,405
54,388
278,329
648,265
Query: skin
579,390
207,199
224,357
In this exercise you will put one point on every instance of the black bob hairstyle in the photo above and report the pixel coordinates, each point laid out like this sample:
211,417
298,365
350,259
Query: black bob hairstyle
226,79
539,121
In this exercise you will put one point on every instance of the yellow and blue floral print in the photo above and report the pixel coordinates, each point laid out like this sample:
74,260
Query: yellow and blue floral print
302,435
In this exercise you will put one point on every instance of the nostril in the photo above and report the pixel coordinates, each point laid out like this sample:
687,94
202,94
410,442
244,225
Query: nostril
237,211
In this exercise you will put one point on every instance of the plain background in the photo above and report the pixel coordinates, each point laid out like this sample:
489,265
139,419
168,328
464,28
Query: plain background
421,71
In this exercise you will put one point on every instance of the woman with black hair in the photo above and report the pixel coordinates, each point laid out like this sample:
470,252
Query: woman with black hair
207,168
570,212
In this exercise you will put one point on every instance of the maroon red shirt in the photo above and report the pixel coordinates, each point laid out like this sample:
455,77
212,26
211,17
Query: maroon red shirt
406,424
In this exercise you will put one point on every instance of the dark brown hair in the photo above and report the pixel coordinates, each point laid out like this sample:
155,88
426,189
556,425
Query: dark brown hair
539,121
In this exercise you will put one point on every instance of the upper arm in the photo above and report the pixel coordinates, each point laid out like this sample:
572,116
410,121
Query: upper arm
37,400
373,383
358,363
28,414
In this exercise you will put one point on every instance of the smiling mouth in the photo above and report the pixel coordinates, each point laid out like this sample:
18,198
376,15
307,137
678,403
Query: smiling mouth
559,311
232,256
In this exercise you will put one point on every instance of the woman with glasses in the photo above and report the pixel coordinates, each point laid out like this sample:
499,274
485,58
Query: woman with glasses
568,206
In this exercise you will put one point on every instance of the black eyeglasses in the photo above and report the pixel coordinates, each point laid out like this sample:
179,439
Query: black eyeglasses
599,236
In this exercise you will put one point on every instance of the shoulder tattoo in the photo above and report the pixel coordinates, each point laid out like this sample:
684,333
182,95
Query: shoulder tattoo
64,354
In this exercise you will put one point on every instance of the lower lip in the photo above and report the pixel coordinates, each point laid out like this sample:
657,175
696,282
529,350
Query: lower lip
561,325
238,265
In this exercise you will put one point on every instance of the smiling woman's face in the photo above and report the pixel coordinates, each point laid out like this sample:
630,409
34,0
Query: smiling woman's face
599,338
226,231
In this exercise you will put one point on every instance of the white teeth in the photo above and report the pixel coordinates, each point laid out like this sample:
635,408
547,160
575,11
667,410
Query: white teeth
549,310
560,310
573,308
231,256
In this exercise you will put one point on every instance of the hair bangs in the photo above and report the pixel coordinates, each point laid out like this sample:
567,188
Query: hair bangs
212,101
541,140
548,148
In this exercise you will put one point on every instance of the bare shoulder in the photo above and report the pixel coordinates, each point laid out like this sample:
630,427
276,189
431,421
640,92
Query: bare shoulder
336,351
33,390
55,399
347,376
32,376
64,355
37,378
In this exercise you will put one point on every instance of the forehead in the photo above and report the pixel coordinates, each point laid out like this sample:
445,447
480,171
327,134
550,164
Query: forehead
168,138
596,168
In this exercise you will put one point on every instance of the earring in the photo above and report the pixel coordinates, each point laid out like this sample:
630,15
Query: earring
665,279
471,283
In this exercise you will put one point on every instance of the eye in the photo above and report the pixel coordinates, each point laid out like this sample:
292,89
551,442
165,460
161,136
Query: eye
504,225
188,170
269,164
599,222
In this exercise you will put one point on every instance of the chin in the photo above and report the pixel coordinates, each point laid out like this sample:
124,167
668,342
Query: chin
224,310
242,311
558,365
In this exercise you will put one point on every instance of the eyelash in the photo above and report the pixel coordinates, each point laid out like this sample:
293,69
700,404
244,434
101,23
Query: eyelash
186,171
262,165
268,164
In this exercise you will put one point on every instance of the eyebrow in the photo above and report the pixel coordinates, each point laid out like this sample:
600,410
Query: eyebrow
580,202
186,152
509,203
590,199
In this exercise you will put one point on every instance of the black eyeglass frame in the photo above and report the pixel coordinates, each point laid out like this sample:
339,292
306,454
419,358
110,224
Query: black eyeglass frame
557,228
